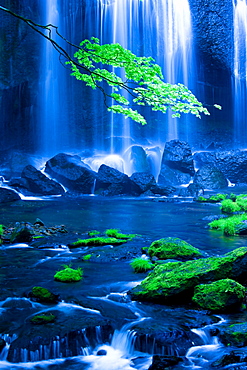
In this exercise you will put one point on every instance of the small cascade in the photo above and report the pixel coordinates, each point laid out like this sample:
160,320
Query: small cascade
240,72
200,356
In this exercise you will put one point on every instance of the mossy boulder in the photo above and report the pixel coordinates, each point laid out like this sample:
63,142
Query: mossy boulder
234,335
174,282
43,295
222,295
68,275
173,248
42,318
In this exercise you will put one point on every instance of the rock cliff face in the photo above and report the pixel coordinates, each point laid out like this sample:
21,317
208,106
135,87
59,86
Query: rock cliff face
19,73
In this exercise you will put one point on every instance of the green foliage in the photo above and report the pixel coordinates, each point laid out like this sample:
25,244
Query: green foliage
69,275
43,319
213,199
228,206
141,265
43,294
114,233
1,230
97,241
219,295
86,257
228,225
93,233
98,64
168,248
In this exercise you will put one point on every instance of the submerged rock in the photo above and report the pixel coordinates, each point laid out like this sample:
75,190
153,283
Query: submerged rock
174,282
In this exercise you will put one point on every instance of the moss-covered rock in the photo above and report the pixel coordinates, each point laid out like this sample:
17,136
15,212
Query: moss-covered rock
174,282
173,248
69,275
222,295
42,318
96,242
234,335
43,295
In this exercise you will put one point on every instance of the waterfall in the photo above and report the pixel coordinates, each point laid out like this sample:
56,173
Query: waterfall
240,71
157,28
53,133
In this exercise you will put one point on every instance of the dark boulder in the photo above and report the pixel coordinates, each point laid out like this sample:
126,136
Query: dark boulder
22,233
193,190
38,183
172,177
8,195
210,177
143,181
232,163
164,362
162,190
112,182
71,172
177,155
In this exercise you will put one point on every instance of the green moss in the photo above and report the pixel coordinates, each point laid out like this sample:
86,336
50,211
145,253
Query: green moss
228,225
1,230
86,257
69,275
141,265
43,294
202,199
114,233
228,206
173,248
213,199
97,241
168,282
235,335
93,233
43,319
219,295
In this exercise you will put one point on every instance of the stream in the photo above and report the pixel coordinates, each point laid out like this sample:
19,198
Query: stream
97,326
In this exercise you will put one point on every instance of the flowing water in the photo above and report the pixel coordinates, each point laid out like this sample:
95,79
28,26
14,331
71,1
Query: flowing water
102,295
240,71
158,28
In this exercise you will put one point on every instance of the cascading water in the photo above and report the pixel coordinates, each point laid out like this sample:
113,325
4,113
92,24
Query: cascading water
53,110
161,29
240,71
157,28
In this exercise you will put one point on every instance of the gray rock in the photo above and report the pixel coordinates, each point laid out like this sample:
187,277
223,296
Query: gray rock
71,172
112,182
8,195
210,177
38,183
